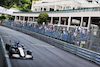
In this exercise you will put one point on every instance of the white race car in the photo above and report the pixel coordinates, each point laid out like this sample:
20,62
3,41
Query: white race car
18,51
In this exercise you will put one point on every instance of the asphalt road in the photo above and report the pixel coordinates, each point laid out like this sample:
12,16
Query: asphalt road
44,54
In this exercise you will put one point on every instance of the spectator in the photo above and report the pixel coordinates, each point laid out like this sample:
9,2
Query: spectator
77,43
25,23
83,31
81,45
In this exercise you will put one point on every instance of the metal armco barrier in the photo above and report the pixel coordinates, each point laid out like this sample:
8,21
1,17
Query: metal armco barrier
87,54
4,58
82,52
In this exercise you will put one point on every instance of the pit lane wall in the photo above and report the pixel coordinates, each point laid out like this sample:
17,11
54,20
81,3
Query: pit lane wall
4,58
82,52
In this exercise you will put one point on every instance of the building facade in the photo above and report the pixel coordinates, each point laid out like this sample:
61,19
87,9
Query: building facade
56,5
66,13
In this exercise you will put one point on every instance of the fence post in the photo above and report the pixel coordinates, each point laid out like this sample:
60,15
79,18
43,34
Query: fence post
91,39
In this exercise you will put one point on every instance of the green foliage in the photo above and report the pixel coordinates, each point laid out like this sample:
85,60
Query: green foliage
8,3
11,17
2,17
42,18
22,5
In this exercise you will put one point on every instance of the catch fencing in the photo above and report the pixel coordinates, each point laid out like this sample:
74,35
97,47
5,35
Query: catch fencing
72,36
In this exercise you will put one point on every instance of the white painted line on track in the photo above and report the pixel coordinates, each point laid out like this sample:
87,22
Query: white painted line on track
6,36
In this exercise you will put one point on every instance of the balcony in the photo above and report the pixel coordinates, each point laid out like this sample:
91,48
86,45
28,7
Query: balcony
69,11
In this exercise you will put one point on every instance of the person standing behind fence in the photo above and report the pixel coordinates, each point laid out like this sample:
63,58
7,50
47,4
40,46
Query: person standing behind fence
61,32
83,31
81,45
77,43
64,32
45,28
30,25
80,30
88,31
53,27
12,24
26,23
21,24
76,29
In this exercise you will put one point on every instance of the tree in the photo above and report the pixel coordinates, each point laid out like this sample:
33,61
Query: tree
2,17
22,5
11,17
8,3
42,18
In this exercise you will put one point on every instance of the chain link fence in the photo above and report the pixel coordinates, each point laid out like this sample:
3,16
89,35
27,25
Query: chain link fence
96,42
78,36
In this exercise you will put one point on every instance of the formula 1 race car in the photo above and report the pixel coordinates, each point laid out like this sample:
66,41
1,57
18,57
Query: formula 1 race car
18,52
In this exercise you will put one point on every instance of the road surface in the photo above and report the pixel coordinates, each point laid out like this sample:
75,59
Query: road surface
44,54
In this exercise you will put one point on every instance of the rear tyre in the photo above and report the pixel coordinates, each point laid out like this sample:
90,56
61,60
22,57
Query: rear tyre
7,46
